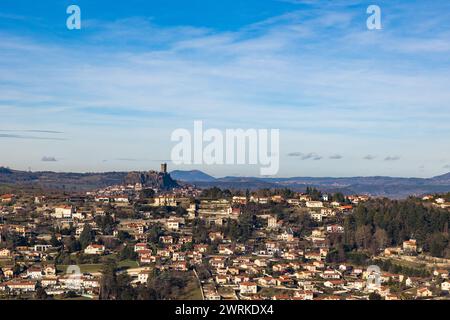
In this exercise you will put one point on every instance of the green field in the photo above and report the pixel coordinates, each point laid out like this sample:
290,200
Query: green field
97,267
127,264
90,268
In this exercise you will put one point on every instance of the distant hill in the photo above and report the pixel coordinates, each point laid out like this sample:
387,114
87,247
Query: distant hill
5,170
62,181
83,181
445,178
191,176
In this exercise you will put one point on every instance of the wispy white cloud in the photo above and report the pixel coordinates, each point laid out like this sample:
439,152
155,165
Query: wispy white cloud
305,156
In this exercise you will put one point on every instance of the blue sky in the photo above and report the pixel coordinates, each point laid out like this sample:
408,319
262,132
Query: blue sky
347,100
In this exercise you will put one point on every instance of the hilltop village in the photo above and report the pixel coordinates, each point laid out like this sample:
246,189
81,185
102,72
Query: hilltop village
171,241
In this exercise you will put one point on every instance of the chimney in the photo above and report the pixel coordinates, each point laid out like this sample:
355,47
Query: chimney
164,167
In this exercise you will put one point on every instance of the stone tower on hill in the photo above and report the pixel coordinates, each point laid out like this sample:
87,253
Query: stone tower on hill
153,179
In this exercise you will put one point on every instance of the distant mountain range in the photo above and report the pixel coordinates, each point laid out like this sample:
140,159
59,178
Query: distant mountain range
391,187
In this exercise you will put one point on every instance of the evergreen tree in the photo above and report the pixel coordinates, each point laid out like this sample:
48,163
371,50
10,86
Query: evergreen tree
86,236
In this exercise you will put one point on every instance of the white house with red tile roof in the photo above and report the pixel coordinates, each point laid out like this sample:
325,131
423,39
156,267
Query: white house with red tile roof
95,249
140,247
248,288
5,253
64,211
445,286
6,198
424,292
21,285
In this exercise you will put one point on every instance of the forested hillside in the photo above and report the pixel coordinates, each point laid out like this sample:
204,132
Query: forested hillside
382,222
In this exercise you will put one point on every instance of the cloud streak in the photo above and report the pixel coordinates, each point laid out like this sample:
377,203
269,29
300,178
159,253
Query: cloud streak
392,158
26,137
305,156
48,159
35,131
